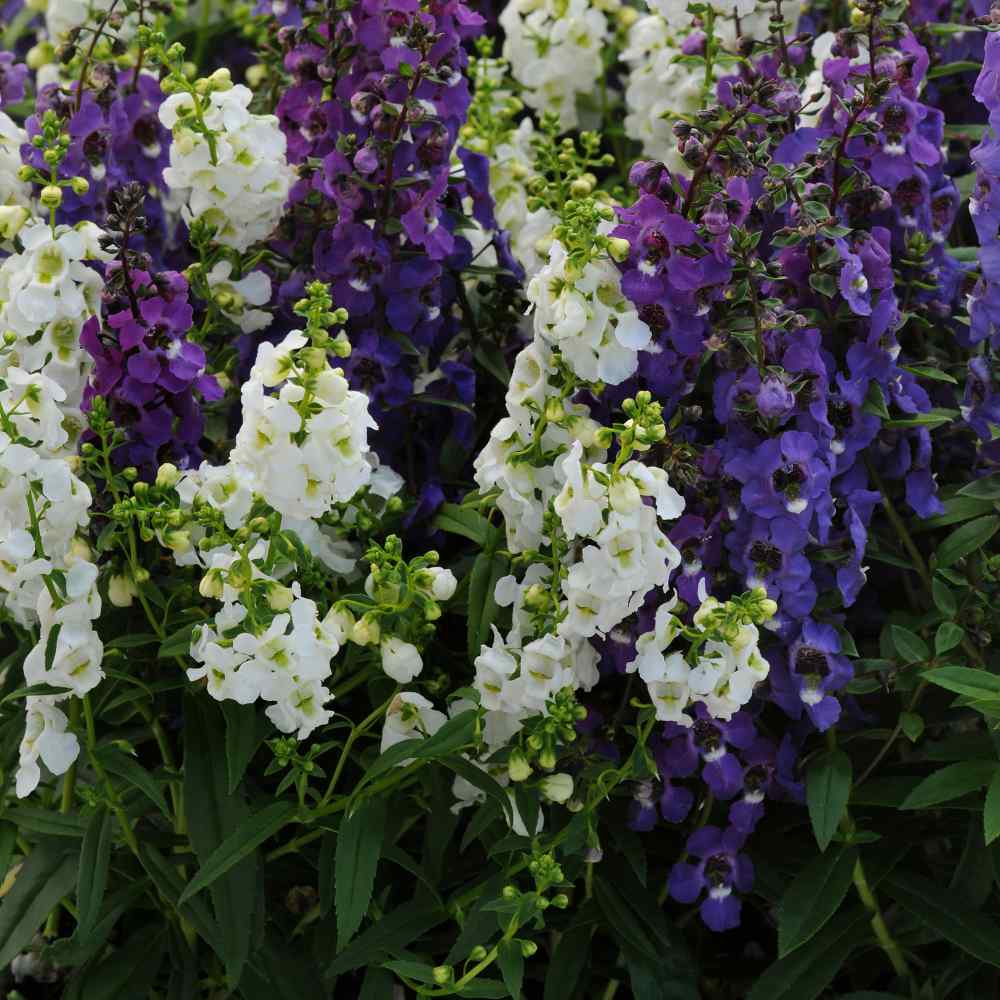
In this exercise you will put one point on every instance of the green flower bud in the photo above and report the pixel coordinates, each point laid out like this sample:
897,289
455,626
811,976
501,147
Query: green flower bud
51,196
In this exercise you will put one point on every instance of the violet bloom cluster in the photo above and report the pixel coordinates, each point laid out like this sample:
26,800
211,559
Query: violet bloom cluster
813,408
981,403
377,216
115,138
150,374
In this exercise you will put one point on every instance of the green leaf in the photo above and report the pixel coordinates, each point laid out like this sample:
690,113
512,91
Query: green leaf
946,69
327,851
947,637
50,645
168,883
987,488
511,963
129,971
991,809
912,725
92,876
359,844
213,815
123,766
813,897
965,680
390,935
246,729
949,783
240,844
927,371
482,780
463,521
570,957
943,597
45,822
967,538
47,874
973,932
808,970
176,644
909,645
828,787
486,571
491,358
650,944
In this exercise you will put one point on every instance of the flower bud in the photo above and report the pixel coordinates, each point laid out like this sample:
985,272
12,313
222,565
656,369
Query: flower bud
528,948
477,954
518,768
442,974
80,185
365,630
221,79
122,590
51,196
279,597
167,475
212,585
619,248
557,787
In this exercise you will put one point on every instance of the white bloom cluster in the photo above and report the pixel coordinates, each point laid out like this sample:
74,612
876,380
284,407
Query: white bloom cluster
596,329
660,88
236,177
554,48
304,448
723,676
47,294
300,450
284,663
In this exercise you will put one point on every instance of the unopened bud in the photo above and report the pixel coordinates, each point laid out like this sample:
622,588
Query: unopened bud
51,196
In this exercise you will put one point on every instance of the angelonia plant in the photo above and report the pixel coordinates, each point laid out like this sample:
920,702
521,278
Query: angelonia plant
499,499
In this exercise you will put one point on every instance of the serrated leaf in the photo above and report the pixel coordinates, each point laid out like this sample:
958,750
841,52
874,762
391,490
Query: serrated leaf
973,932
947,637
47,874
240,844
966,539
511,962
813,897
92,875
359,844
390,935
909,645
949,783
828,788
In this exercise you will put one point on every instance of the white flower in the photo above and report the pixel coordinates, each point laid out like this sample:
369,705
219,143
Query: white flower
240,183
410,715
557,787
234,296
45,738
400,660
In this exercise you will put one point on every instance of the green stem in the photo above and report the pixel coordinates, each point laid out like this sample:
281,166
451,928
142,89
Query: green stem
882,933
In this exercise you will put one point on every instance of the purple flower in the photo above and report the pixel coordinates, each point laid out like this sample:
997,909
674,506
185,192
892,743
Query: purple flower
719,870
708,741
